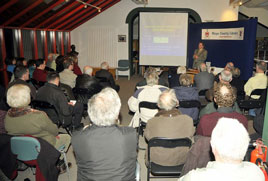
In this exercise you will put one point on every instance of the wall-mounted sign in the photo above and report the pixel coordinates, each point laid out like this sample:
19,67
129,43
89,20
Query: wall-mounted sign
223,34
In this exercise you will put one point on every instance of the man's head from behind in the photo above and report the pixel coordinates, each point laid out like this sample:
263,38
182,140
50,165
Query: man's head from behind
88,70
224,95
18,96
202,67
185,80
53,78
167,100
68,63
104,107
151,76
225,76
105,65
229,141
261,67
40,64
21,72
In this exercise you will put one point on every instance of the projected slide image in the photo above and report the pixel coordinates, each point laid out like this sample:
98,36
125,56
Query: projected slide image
163,35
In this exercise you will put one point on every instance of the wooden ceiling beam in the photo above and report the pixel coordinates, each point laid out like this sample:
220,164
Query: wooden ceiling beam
51,6
103,7
67,15
73,17
7,5
36,3
56,14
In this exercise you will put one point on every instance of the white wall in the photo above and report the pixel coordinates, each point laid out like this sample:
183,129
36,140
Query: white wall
261,13
96,40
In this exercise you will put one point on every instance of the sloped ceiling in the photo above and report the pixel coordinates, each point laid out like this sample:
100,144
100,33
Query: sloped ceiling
64,15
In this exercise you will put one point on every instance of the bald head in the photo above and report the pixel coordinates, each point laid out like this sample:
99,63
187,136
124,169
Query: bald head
224,95
225,76
167,100
88,70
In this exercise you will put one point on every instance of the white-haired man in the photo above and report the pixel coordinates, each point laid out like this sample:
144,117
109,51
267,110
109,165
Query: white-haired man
169,122
106,78
105,151
203,80
149,93
229,142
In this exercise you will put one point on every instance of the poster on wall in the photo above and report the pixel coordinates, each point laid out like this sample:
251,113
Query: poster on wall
223,34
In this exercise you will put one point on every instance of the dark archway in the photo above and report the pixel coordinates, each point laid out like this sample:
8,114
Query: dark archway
132,15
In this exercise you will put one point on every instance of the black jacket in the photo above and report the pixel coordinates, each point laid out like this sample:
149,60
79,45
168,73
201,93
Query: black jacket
55,96
106,75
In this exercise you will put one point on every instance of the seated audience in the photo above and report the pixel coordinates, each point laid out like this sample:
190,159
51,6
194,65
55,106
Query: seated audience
186,92
59,63
236,81
21,74
105,74
10,63
22,120
51,60
149,93
40,74
224,97
77,69
86,81
104,150
161,81
31,66
225,77
203,80
258,81
229,66
169,122
67,76
69,114
229,142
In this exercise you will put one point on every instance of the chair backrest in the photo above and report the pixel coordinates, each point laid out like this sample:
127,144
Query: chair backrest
147,105
202,92
26,148
168,143
48,108
190,104
257,92
123,63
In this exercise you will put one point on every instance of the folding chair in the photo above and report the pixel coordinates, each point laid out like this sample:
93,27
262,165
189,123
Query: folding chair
49,109
191,104
123,69
159,171
27,150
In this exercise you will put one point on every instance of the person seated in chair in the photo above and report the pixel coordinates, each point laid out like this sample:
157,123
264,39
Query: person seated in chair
161,81
40,74
169,122
21,74
88,83
229,142
149,93
186,92
104,150
69,114
105,74
258,81
22,120
67,76
224,97
203,80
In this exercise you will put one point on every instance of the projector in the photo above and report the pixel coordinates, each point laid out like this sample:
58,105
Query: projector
140,1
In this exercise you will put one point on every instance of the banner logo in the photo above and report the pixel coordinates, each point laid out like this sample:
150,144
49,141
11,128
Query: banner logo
223,34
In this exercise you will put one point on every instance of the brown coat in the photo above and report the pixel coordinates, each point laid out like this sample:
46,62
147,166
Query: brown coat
169,124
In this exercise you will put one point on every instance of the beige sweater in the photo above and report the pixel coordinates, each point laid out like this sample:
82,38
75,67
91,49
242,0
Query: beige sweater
35,123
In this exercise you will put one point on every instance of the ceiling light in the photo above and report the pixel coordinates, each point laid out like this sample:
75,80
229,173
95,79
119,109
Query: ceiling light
87,4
